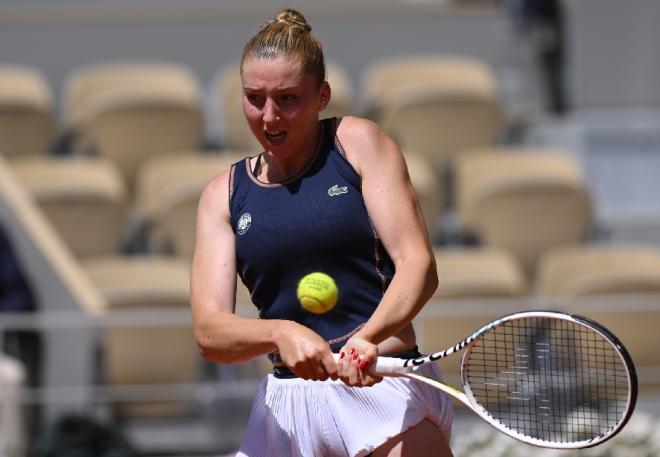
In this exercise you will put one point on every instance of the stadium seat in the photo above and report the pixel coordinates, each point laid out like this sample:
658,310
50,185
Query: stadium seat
154,355
529,217
382,76
579,271
525,203
227,93
86,82
167,193
436,105
633,318
131,112
83,197
478,273
481,167
617,286
27,125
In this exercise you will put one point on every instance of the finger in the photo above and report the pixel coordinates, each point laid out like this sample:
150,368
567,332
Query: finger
320,375
343,365
329,367
321,371
364,364
349,369
363,373
301,371
354,371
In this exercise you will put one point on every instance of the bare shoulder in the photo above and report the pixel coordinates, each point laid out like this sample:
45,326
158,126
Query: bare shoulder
357,130
365,142
215,196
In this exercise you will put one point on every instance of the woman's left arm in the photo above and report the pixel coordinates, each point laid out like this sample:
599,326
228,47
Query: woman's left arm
397,218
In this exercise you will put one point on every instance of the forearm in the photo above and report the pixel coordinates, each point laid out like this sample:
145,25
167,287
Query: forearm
412,286
224,337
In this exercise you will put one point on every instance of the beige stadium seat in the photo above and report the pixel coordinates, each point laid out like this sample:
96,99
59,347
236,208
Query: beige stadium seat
525,203
129,130
617,286
436,105
528,217
579,271
167,193
481,167
86,82
150,355
428,187
393,73
634,321
131,112
84,198
27,126
478,273
228,90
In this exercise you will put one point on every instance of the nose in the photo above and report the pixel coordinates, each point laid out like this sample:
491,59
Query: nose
270,112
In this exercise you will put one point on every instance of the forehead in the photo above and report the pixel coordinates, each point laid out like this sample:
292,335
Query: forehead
280,72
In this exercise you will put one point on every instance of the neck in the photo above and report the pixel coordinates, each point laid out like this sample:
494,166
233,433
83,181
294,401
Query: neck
276,168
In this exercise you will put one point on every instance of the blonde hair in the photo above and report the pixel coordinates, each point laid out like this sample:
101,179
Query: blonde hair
288,35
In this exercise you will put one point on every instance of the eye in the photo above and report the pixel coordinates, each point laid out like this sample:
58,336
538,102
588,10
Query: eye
289,97
255,99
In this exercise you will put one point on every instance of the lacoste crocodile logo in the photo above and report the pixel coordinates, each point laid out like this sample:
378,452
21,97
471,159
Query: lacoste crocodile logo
336,190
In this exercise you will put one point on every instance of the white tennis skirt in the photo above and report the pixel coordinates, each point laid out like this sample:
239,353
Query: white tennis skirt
294,417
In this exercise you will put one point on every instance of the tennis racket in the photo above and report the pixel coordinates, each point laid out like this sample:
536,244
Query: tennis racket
548,379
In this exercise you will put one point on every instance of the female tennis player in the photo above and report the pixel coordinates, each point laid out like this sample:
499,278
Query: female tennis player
330,196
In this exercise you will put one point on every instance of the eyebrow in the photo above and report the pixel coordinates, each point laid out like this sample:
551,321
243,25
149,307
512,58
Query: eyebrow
282,89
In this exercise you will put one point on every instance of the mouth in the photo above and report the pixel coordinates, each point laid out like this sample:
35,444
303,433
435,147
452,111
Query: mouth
275,137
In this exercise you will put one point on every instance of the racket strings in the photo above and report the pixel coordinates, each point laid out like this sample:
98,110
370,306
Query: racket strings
553,380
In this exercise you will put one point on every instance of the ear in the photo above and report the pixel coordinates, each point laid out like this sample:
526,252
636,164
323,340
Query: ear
324,95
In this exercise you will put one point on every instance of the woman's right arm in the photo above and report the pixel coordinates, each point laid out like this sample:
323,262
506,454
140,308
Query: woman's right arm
223,336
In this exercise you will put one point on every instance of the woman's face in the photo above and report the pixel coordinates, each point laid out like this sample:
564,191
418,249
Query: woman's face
281,105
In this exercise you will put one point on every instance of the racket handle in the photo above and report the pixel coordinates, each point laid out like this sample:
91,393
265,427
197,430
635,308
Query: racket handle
384,366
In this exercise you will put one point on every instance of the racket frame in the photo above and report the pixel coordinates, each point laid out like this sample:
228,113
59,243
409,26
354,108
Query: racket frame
385,366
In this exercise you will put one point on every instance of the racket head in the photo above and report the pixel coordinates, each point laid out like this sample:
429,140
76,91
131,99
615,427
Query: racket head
550,379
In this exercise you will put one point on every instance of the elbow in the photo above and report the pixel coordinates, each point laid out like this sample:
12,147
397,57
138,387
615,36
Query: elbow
209,344
205,348
431,282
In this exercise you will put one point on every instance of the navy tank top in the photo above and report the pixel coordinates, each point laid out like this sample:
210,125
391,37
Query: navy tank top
315,221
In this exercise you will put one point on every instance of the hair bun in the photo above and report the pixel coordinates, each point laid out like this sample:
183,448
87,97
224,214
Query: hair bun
293,18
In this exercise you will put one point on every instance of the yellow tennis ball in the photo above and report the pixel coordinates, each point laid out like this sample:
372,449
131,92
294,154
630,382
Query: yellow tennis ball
317,292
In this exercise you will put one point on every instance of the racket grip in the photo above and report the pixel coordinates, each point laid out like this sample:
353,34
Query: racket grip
384,366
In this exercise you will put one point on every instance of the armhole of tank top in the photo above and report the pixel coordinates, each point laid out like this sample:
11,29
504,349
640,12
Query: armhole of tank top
340,148
378,245
232,172
342,152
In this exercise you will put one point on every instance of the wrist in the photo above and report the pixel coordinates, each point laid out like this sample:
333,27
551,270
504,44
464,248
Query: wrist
279,331
369,333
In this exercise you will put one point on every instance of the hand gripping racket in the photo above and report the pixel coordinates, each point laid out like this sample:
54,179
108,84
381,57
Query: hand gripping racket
549,379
